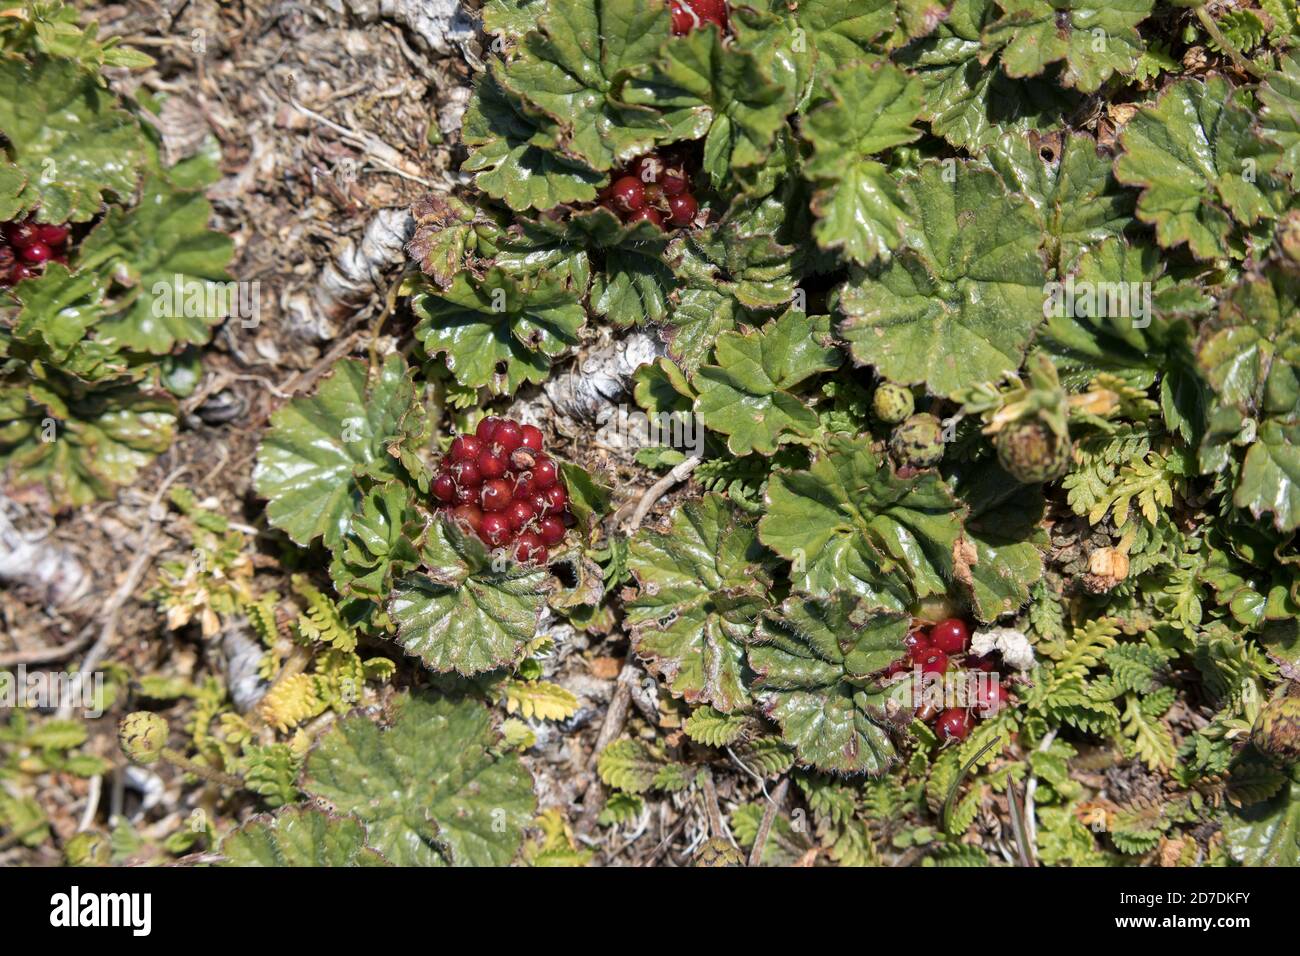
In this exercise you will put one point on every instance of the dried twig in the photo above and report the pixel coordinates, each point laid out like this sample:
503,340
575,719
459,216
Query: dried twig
657,490
769,817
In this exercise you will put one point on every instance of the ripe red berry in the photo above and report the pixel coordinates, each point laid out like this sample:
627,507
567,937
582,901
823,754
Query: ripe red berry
525,487
487,428
628,194
495,495
22,233
933,661
545,473
508,437
35,252
531,437
950,635
982,663
990,696
520,514
648,214
529,547
674,185
466,448
557,499
495,529
551,529
490,464
470,515
684,19
467,474
954,724
683,209
914,639
52,235
22,271
710,11
444,489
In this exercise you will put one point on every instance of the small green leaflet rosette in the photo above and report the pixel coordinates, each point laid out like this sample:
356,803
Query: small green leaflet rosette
297,836
701,587
502,330
431,787
817,662
471,610
748,396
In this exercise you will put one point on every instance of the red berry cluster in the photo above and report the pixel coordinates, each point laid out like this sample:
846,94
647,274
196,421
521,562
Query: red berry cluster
690,15
498,482
654,188
26,246
934,650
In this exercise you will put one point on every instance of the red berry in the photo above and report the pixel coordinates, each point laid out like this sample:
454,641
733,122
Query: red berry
466,448
467,474
508,437
683,209
531,437
982,663
545,473
22,271
529,547
487,428
490,464
22,233
525,487
52,235
933,661
916,638
674,185
628,194
954,724
35,252
711,11
684,19
471,515
520,514
444,489
990,696
557,498
648,214
950,636
551,529
495,495
494,530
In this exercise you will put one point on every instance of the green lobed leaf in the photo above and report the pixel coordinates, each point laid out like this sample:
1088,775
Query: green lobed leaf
814,660
1279,111
499,331
310,460
960,304
1268,833
69,144
470,611
700,586
430,787
298,836
747,395
1200,166
859,206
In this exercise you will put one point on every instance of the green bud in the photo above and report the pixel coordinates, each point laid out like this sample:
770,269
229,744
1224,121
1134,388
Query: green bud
1277,729
88,849
892,403
918,441
1031,452
143,736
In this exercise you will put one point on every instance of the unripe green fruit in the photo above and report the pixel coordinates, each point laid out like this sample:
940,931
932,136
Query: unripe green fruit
892,403
717,852
1277,730
88,849
918,441
1031,452
143,736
